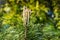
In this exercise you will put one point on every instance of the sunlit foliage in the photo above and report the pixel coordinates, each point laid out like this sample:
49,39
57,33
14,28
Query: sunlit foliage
41,27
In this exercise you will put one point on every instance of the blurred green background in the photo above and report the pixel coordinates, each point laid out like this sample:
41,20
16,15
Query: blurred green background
41,27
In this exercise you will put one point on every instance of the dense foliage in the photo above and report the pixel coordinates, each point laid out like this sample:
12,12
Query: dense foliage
41,25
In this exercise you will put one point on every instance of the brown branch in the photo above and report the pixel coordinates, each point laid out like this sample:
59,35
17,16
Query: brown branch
26,15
